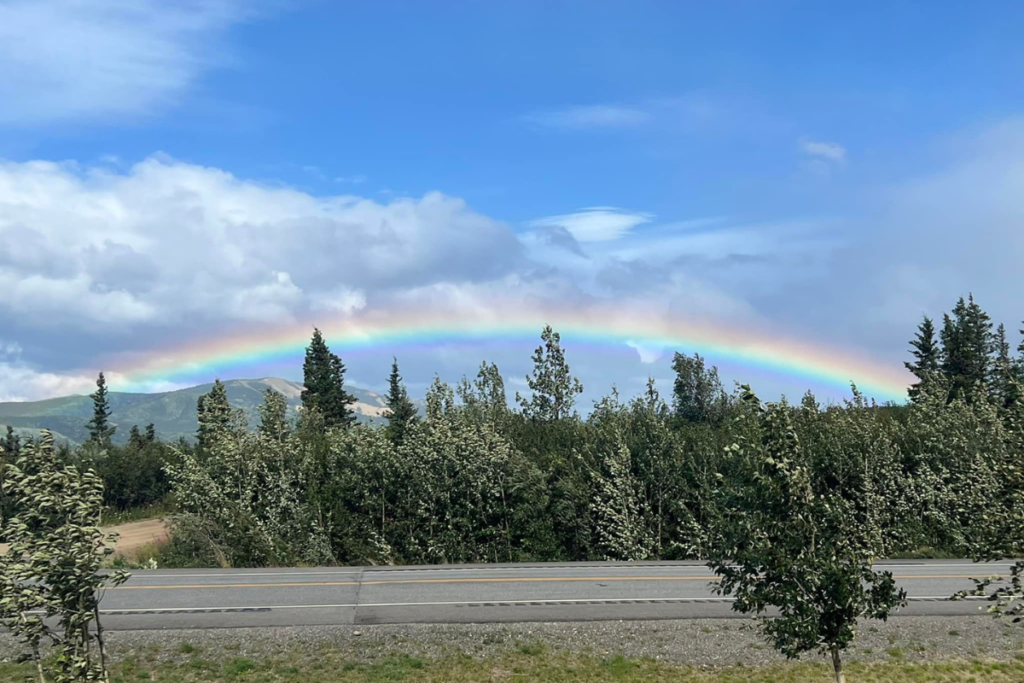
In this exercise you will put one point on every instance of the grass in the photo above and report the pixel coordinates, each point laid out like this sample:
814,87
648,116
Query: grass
521,666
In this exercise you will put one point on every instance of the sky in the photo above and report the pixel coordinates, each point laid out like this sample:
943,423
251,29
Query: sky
177,173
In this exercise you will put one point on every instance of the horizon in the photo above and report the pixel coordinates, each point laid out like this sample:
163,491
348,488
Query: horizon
785,190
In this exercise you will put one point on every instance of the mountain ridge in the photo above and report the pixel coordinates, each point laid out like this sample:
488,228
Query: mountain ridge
172,413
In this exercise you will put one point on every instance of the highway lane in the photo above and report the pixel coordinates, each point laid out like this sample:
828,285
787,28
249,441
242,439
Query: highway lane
469,593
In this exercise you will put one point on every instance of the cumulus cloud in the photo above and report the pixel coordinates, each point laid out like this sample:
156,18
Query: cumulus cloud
167,241
65,59
595,224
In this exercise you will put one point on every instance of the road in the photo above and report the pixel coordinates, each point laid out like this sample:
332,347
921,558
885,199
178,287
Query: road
214,598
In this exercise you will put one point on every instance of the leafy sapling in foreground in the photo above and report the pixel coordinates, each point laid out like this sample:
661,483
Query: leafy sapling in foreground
51,568
790,546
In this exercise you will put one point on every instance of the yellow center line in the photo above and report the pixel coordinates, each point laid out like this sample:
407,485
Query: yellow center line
234,585
546,579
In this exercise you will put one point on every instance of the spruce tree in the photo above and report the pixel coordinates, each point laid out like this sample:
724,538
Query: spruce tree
100,430
11,444
324,384
1002,384
135,437
213,412
150,433
554,387
967,344
925,365
400,413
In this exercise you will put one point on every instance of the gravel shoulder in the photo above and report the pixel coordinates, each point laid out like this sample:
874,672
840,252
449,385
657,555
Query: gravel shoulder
710,643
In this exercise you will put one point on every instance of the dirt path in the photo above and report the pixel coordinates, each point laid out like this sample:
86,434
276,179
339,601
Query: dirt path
134,535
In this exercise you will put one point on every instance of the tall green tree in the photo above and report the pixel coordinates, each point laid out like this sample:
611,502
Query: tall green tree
967,345
698,395
100,429
1003,381
213,412
808,553
400,413
10,449
554,387
994,532
324,384
150,433
926,353
274,416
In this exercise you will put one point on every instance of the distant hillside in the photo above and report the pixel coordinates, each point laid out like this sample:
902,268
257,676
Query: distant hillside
173,413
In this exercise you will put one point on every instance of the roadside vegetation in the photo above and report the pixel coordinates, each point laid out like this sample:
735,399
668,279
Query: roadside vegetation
527,667
790,503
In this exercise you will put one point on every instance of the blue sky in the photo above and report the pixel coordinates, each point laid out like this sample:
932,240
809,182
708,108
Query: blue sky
831,170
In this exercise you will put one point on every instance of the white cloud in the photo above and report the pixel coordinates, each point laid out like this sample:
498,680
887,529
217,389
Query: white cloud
75,59
829,151
596,224
648,354
166,241
590,117
22,382
340,299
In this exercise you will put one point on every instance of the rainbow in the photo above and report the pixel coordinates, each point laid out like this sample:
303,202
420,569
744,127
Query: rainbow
599,327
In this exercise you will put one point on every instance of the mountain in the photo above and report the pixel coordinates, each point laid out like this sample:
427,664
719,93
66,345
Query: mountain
173,413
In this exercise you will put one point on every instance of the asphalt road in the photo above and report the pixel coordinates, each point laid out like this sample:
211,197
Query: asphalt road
468,593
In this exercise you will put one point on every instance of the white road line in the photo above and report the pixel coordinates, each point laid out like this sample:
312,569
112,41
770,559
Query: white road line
495,603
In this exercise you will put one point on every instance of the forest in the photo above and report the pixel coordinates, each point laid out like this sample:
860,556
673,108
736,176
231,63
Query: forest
652,477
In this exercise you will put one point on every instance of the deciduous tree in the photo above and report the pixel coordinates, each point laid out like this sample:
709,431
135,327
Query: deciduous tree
785,545
553,385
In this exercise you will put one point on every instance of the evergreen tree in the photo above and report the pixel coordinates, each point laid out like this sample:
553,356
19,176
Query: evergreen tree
12,444
213,412
925,365
150,433
554,387
100,430
1002,384
324,379
967,342
400,413
698,393
135,437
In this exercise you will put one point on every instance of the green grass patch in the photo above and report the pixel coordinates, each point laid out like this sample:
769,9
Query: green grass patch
516,666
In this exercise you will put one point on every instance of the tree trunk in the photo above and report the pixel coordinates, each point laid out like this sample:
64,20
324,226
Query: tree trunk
39,663
99,643
837,665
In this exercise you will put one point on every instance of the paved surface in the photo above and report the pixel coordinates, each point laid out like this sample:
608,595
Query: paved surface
469,593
